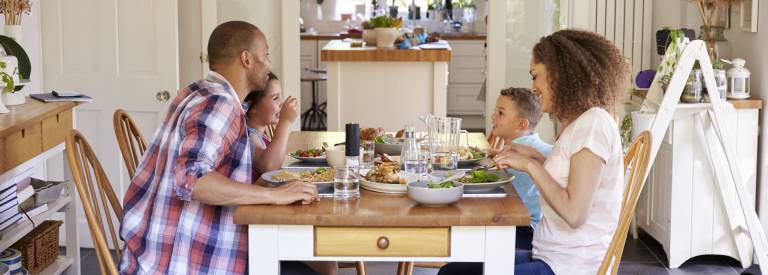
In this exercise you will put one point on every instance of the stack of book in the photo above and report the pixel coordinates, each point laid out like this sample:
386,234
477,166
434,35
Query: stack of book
59,96
9,204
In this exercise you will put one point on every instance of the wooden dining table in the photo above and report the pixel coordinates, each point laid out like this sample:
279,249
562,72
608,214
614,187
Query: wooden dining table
382,227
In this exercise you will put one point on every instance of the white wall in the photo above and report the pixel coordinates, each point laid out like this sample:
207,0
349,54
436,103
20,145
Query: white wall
263,14
190,47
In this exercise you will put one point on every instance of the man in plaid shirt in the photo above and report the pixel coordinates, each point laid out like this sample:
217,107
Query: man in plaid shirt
179,207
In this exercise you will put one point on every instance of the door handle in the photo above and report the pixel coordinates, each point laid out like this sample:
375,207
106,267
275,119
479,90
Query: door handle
162,96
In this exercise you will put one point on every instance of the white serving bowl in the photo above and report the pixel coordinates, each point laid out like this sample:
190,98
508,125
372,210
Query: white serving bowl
421,193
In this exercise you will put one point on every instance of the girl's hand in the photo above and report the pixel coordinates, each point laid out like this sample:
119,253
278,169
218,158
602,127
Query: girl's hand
289,111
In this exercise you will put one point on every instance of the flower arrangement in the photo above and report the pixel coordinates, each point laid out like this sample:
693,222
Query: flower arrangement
13,9
712,9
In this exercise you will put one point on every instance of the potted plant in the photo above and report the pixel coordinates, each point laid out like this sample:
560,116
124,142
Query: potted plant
369,34
387,30
8,83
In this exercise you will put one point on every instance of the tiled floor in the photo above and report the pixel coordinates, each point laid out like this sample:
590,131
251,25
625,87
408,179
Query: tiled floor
641,256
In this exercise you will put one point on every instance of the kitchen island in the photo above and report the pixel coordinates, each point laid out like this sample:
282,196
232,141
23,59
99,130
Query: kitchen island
384,87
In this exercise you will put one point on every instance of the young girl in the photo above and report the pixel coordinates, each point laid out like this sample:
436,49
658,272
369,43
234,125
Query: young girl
266,108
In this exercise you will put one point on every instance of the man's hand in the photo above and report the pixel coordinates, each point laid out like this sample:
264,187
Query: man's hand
289,111
303,191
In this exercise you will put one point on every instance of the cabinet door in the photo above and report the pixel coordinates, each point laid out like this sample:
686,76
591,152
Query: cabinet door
462,99
466,69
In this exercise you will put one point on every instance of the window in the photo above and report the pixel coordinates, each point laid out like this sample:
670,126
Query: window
348,6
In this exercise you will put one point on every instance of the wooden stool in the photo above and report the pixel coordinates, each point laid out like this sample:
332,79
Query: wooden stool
314,118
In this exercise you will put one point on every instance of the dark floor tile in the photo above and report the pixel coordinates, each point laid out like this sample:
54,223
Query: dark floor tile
703,268
89,264
642,268
636,252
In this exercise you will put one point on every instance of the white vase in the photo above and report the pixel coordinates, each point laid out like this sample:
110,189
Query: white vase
385,37
13,31
11,99
3,110
369,36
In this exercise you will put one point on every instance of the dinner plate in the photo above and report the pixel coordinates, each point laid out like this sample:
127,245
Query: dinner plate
268,177
389,188
310,159
504,179
465,162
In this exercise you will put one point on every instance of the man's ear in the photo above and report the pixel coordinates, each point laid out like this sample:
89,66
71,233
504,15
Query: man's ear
245,59
523,124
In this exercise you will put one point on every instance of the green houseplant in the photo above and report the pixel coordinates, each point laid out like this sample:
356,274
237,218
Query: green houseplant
387,30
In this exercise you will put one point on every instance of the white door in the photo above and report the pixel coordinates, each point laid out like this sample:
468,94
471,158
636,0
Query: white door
124,54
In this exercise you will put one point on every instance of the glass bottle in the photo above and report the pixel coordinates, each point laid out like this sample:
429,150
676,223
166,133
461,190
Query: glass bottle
346,180
413,160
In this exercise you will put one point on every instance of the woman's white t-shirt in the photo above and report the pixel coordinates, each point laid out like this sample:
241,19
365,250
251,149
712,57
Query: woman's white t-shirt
580,251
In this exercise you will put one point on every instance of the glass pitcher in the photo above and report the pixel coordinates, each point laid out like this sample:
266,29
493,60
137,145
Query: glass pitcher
444,135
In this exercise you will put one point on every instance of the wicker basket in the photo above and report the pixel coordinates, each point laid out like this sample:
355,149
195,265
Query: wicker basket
40,248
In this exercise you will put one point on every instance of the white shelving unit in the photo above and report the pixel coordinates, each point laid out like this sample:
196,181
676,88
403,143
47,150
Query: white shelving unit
68,263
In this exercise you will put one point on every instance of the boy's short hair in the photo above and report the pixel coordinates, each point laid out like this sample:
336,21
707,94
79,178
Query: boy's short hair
528,105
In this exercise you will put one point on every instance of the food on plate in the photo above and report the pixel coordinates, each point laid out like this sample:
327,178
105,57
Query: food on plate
479,176
388,172
400,133
386,158
447,184
371,133
317,175
469,153
311,153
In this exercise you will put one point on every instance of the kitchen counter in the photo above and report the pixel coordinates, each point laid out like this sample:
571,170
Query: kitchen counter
384,88
341,51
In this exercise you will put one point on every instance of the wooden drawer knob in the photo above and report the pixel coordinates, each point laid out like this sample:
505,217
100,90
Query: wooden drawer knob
382,242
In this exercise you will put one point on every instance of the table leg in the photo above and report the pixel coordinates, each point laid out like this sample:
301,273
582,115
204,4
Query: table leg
499,243
262,250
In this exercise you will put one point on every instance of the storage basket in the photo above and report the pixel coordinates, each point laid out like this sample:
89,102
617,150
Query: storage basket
40,247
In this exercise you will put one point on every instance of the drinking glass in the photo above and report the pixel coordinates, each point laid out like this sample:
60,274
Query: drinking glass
444,136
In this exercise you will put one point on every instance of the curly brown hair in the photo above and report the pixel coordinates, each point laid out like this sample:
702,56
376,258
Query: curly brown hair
585,70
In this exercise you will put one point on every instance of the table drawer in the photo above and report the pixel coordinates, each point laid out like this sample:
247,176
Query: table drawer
56,128
21,146
383,242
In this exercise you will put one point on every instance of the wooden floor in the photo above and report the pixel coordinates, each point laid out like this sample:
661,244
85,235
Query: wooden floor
642,256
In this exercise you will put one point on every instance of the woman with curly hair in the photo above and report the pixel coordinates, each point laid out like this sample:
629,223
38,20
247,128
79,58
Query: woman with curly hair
578,76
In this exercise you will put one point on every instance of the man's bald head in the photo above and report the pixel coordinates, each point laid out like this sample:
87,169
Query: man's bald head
231,38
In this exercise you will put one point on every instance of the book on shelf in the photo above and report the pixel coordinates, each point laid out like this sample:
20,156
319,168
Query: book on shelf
37,210
50,97
25,193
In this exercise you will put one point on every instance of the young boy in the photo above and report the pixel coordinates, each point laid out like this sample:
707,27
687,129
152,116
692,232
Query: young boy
517,112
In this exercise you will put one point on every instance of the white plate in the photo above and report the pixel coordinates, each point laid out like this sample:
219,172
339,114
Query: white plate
310,159
268,177
390,188
504,178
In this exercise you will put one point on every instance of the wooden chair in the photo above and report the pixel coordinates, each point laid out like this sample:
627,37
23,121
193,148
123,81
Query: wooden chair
96,194
270,132
131,142
636,161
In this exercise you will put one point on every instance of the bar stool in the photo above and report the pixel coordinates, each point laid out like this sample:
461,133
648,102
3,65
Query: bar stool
314,118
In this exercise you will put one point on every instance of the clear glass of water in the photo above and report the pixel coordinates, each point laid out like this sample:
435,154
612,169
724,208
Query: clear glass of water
346,181
367,154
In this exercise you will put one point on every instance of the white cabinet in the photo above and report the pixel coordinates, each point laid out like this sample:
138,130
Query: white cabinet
680,205
465,78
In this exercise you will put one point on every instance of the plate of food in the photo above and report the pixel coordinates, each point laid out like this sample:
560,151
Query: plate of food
478,181
322,177
387,178
309,155
470,155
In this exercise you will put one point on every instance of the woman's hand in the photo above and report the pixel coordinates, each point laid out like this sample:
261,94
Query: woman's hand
527,151
512,159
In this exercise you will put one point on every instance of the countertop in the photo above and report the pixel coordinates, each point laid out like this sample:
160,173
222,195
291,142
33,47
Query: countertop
445,36
750,103
338,50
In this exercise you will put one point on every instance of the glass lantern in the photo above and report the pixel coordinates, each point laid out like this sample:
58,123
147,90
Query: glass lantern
738,80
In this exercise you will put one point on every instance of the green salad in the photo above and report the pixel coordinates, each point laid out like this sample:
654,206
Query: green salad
447,184
479,176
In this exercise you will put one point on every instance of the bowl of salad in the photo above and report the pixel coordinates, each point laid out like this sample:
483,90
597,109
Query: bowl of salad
435,194
480,181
